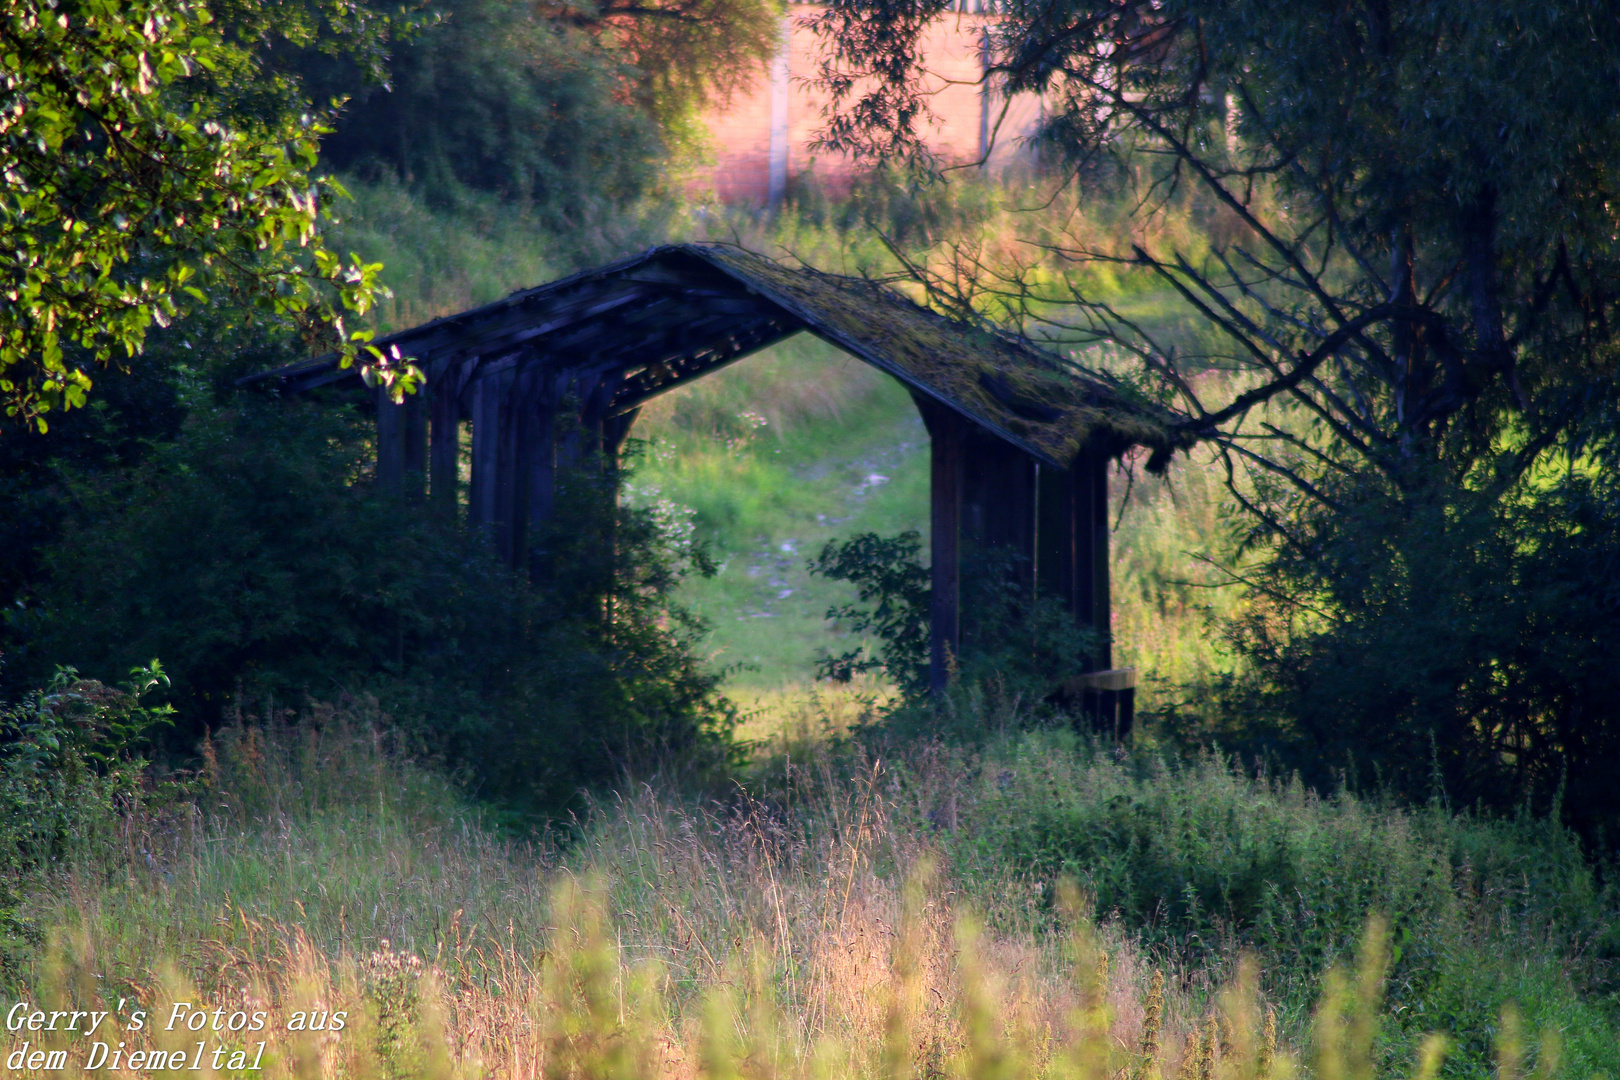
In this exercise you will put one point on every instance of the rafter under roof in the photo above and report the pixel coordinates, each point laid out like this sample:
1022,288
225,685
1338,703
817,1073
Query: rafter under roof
674,313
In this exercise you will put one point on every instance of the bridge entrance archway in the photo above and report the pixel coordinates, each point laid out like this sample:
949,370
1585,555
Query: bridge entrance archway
1020,444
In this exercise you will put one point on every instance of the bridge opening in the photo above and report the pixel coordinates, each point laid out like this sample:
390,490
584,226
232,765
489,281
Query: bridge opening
554,377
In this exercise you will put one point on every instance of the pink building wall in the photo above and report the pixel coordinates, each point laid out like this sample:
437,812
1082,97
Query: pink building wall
763,139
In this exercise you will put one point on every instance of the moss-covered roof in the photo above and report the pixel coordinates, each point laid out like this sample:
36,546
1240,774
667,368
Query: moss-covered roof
1014,389
629,312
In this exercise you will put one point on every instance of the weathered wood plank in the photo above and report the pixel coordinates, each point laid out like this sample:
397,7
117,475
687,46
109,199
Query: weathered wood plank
390,442
615,429
415,450
444,451
1054,567
1088,478
997,537
542,469
486,435
511,472
945,518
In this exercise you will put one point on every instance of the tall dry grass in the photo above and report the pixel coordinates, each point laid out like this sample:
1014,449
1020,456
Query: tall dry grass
809,933
892,992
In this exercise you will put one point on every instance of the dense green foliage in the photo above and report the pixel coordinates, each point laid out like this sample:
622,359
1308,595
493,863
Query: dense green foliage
253,555
887,574
67,777
1412,268
1463,644
499,98
569,110
131,191
1011,644
1197,859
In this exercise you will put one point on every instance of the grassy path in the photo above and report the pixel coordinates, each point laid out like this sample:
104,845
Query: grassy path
770,460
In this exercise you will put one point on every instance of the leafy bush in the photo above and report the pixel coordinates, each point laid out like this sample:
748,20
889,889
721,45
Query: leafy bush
1022,646
1198,862
67,777
255,557
1457,641
887,571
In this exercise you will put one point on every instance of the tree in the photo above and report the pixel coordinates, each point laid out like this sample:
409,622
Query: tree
256,557
560,105
1418,302
133,192
498,97
1441,246
687,55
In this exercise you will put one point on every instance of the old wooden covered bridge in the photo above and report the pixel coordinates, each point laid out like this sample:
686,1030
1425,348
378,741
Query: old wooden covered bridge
551,375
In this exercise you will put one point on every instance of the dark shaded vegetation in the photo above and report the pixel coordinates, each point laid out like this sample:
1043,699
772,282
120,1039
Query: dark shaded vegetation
1435,615
1013,645
1415,309
495,97
253,555
69,780
241,539
569,111
1197,861
1453,644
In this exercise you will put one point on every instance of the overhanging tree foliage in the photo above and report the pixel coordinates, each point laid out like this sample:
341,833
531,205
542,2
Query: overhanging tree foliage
1420,310
132,192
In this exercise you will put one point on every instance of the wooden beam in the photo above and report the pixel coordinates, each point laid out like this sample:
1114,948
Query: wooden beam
1054,559
486,434
415,450
657,371
999,501
1088,478
945,519
444,451
390,442
616,429
542,469
577,443
1072,545
511,467
997,536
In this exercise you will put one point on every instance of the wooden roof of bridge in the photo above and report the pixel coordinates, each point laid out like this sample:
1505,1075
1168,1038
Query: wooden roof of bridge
674,313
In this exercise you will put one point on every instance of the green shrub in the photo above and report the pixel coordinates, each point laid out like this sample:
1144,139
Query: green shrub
1446,640
68,776
888,574
254,555
1199,861
1017,646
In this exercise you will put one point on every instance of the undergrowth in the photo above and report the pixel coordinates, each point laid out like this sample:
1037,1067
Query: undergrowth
870,910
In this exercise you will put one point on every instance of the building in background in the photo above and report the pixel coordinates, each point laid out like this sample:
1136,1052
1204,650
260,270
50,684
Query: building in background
762,141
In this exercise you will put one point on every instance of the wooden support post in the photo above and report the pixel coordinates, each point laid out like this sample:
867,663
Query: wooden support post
998,532
445,450
1073,545
945,520
486,434
415,450
580,437
390,442
1103,702
1055,535
1088,479
542,473
597,430
511,470
616,429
